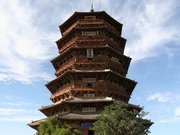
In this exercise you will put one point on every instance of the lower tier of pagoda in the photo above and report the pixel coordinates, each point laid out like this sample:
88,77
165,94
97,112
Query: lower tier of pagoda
80,113
77,111
98,82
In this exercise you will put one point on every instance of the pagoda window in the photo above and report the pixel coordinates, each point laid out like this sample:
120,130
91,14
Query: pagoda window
89,79
89,95
77,85
115,59
90,17
89,85
100,85
90,33
90,53
88,109
111,39
101,80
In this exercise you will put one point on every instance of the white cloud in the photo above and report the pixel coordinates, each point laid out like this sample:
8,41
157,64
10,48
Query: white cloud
11,103
160,97
12,111
149,27
7,111
165,97
21,118
24,46
10,97
177,111
170,120
17,104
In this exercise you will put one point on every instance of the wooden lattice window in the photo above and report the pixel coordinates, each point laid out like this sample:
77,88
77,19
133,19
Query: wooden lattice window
77,85
89,79
115,59
88,109
100,85
90,33
90,17
89,85
89,95
90,53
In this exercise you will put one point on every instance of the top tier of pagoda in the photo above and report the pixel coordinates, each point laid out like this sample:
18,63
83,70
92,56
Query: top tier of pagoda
91,59
91,26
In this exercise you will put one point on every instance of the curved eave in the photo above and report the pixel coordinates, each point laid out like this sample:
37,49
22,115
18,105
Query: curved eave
78,116
53,61
146,122
71,48
35,124
78,100
89,72
130,87
99,28
45,109
56,79
67,21
77,28
88,13
136,107
121,55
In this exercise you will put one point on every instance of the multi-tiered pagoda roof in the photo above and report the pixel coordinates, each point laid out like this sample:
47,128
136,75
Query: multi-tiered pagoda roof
90,70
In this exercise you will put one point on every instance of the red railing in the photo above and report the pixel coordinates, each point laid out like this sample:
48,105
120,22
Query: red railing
97,86
99,60
66,65
81,22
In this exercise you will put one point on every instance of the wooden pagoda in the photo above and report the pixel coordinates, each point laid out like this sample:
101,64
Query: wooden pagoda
90,70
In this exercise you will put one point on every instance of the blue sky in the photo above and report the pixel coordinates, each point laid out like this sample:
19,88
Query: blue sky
29,29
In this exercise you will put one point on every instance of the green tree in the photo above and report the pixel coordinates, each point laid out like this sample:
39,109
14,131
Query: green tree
51,126
119,119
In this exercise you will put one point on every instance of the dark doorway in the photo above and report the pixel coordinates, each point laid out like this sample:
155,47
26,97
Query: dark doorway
89,85
90,132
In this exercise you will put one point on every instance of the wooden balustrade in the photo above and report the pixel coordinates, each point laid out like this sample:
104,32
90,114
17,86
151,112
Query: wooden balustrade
67,45
72,26
87,22
101,38
97,86
98,60
66,65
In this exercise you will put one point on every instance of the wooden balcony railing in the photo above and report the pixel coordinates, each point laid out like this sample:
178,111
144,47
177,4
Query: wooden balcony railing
66,65
99,60
84,22
97,86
